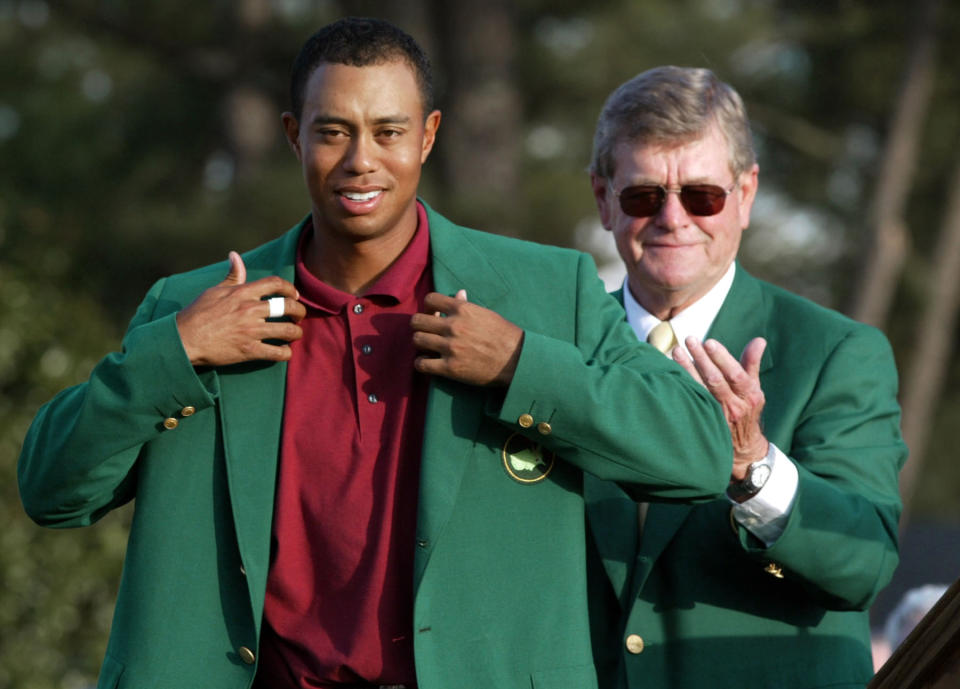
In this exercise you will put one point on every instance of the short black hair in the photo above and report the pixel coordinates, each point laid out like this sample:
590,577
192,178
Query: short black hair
359,42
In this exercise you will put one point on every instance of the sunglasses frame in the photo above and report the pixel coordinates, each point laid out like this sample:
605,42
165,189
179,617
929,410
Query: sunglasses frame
679,192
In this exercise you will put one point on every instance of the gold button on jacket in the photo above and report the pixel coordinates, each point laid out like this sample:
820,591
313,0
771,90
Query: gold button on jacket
188,411
635,643
246,655
170,423
525,420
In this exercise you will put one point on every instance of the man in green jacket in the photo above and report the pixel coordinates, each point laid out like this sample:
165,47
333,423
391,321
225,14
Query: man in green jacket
769,585
357,452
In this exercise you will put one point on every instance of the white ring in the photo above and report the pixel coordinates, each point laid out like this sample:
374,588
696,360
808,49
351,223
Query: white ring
277,306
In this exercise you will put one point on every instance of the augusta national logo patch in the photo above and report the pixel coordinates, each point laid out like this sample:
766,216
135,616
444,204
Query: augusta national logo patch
525,460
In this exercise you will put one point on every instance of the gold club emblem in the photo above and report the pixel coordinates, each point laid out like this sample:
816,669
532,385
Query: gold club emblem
525,460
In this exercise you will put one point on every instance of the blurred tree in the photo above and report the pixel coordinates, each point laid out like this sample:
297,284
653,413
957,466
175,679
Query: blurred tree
57,587
933,344
479,151
888,246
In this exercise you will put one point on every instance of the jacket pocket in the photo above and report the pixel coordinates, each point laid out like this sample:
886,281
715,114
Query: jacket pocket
576,677
110,673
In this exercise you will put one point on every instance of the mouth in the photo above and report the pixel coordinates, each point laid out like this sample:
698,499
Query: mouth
664,245
360,201
361,196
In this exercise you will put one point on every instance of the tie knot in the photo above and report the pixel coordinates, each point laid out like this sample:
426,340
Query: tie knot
662,337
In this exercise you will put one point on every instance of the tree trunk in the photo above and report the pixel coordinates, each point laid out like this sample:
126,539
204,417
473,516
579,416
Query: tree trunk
934,344
479,144
889,238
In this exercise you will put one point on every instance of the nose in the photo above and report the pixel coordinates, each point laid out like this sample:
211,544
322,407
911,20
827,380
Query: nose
360,158
672,215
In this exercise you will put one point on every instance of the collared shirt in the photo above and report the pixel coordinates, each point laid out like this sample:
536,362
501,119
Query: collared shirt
339,602
767,512
695,320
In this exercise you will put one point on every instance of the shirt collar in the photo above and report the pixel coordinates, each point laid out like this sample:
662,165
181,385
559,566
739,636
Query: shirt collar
396,283
694,320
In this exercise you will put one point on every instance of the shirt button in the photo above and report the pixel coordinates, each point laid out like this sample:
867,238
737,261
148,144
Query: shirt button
366,349
246,655
358,308
372,399
635,644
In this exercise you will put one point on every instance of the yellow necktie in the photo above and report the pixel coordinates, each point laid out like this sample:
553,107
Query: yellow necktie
662,337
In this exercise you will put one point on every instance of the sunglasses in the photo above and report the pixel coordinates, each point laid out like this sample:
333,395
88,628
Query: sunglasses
645,200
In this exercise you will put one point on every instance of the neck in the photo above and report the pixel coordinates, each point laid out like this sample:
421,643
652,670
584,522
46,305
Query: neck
352,264
663,305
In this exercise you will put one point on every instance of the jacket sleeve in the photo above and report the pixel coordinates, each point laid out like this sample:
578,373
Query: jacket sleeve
840,540
618,408
79,457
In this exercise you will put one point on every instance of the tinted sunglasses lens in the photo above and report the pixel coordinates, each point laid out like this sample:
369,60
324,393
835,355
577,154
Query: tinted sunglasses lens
703,199
645,200
641,201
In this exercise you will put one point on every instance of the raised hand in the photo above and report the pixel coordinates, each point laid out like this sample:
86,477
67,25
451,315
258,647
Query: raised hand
465,341
736,386
228,322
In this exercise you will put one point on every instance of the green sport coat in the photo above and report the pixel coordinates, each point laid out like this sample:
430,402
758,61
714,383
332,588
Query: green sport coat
500,569
704,597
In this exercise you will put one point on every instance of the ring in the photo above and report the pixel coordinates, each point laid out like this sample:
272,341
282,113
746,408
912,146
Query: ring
277,306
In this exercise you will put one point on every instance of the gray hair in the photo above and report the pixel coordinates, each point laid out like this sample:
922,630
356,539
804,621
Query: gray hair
672,105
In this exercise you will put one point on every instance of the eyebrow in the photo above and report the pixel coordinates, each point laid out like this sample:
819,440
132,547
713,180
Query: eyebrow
385,119
644,182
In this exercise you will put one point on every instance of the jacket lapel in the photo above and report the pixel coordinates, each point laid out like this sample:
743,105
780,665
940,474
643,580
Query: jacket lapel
251,414
742,317
454,411
612,517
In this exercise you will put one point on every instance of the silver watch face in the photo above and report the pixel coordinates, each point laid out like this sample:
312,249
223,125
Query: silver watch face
757,476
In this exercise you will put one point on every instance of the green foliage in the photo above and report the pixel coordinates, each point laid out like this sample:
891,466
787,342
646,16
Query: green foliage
57,587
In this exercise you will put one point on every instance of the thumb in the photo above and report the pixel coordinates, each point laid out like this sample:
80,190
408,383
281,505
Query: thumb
753,355
462,295
238,271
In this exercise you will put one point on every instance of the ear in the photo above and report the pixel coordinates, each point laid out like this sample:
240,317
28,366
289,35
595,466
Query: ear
604,198
291,129
430,127
748,183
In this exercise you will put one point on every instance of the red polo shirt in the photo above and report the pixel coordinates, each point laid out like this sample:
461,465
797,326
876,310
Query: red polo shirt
339,602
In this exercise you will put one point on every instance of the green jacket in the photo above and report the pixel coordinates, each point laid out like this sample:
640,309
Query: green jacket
500,572
698,591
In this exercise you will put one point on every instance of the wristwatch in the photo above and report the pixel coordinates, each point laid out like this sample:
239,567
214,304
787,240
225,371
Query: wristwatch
750,485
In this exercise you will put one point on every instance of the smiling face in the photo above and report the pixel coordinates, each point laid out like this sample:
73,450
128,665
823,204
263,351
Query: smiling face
361,139
673,258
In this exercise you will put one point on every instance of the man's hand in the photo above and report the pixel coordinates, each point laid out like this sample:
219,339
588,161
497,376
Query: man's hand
228,323
468,343
736,386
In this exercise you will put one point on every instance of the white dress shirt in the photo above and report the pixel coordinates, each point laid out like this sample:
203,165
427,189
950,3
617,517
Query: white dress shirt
765,515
